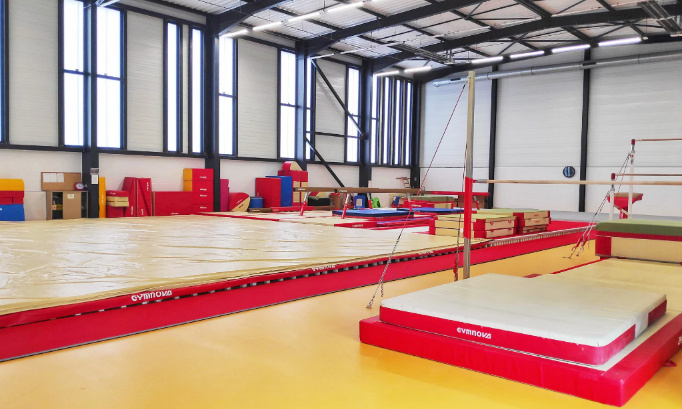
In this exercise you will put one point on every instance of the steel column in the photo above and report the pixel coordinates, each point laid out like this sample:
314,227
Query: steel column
210,111
583,134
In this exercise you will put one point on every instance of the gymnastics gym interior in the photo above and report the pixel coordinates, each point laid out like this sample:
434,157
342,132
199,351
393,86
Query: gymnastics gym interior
340,204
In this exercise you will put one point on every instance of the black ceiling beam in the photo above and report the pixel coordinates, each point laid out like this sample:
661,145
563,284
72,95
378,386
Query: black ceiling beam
228,19
553,22
607,6
320,43
546,15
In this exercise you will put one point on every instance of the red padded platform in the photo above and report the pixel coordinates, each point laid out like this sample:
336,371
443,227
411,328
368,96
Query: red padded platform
613,385
547,315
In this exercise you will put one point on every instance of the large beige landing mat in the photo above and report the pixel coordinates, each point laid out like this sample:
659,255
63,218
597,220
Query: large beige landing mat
49,263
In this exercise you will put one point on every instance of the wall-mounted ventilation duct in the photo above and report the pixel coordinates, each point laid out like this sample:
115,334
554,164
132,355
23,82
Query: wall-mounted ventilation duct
584,65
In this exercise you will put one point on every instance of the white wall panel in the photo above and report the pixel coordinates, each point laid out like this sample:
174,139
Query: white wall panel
165,172
319,176
27,165
145,82
538,133
439,103
242,174
257,105
33,72
329,115
636,102
386,178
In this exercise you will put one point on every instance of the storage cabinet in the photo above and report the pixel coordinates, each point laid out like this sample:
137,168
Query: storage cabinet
67,205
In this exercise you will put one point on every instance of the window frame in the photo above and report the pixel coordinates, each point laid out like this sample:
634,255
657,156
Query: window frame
190,89
356,117
280,104
178,85
4,77
234,98
85,76
123,144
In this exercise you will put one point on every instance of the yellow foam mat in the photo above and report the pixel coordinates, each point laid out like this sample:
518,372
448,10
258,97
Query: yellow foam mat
11,185
636,275
55,263
647,249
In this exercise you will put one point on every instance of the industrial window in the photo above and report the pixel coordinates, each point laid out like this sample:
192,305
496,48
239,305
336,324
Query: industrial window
287,113
3,73
353,105
173,88
226,96
391,137
309,118
73,72
196,131
109,78
375,119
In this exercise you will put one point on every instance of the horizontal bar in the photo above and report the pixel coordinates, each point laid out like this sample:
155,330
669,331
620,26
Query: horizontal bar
582,182
658,140
648,174
445,192
354,190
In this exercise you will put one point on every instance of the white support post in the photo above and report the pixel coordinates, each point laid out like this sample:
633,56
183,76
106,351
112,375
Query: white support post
612,197
632,171
468,177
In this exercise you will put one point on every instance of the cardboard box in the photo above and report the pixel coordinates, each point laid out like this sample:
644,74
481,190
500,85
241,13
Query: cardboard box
59,181
197,174
118,201
69,203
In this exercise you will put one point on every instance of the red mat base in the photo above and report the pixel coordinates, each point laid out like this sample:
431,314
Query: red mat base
614,386
41,330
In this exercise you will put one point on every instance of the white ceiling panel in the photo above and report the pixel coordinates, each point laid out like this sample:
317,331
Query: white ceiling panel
389,32
346,18
435,20
487,6
208,6
500,48
388,7
507,16
566,7
452,28
306,6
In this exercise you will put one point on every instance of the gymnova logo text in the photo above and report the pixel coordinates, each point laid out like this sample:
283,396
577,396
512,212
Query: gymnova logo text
479,334
152,294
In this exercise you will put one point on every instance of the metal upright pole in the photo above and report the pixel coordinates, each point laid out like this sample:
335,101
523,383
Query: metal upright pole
468,177
632,171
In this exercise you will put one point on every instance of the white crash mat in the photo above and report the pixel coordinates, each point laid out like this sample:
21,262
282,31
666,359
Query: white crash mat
548,316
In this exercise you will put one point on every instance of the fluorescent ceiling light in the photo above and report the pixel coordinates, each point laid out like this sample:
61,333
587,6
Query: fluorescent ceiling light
486,60
104,3
321,56
237,33
570,48
304,17
418,69
622,41
387,73
266,26
345,7
526,55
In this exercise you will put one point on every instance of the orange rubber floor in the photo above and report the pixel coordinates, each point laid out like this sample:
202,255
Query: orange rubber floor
302,354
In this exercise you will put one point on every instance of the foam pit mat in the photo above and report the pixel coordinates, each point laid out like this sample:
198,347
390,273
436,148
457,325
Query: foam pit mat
47,264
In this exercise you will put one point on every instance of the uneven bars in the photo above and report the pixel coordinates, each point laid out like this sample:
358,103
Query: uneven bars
581,182
647,174
657,140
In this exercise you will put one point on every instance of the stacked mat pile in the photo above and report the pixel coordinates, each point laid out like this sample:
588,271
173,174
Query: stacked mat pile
527,220
12,200
551,331
483,226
